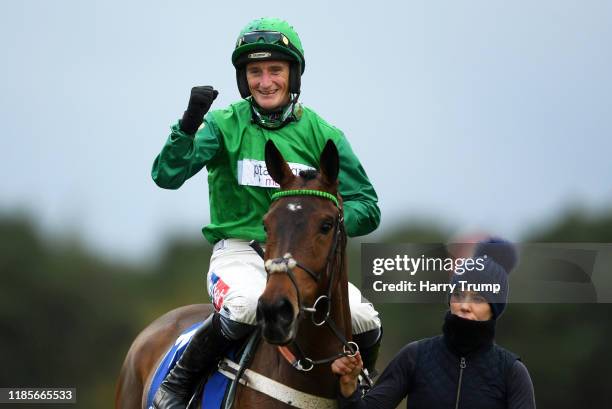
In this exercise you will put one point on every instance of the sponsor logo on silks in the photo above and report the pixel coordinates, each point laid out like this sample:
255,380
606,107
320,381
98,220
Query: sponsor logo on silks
219,290
252,172
262,54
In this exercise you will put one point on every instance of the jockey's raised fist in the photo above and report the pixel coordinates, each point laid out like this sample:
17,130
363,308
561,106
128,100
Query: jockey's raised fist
200,101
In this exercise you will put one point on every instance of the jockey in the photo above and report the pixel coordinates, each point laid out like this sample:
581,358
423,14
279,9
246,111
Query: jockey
269,62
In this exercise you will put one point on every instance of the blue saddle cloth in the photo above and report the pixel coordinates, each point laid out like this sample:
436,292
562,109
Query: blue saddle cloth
214,390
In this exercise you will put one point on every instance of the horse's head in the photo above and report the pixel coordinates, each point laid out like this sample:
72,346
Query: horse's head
304,239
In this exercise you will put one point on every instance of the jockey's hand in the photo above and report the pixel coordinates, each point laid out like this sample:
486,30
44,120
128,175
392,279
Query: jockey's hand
200,102
348,369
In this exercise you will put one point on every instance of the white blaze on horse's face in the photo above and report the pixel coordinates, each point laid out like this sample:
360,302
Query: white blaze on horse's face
294,207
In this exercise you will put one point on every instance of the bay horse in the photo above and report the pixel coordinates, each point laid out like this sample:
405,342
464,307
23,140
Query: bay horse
303,311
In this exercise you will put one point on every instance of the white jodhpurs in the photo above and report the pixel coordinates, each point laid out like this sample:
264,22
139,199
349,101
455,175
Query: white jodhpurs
237,278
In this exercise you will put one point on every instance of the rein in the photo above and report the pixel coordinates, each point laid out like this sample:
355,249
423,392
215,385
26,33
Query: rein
287,263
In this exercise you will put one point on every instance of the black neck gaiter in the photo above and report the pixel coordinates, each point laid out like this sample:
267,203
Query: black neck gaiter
278,118
464,336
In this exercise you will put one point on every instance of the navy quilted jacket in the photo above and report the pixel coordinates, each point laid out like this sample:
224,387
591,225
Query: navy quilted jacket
432,377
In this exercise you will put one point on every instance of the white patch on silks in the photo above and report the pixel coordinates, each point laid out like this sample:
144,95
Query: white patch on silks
294,207
253,172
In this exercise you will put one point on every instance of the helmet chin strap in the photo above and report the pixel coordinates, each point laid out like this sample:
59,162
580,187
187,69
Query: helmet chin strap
277,119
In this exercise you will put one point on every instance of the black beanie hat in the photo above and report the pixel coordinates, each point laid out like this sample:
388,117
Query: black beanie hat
499,259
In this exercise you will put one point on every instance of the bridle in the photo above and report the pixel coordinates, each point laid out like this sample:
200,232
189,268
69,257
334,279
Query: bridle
334,264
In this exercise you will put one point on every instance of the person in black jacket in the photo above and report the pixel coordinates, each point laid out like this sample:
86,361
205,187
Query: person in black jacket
461,368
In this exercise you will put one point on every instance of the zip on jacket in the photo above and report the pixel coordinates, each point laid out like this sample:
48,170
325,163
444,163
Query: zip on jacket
462,365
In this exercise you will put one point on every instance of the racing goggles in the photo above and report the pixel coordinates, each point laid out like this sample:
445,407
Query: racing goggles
268,37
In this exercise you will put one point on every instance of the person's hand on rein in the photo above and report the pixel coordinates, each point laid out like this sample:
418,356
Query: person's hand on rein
200,102
347,369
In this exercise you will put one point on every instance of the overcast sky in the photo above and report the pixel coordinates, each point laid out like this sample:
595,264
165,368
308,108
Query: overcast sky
478,113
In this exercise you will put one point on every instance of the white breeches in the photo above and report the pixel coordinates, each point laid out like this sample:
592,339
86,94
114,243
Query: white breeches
237,278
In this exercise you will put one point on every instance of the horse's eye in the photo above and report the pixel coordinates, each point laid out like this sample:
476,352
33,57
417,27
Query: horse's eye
265,228
326,227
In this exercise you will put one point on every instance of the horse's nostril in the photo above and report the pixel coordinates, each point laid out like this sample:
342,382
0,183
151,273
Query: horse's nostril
284,310
280,311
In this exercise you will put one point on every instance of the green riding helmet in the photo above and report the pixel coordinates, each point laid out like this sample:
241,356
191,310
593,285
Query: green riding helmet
268,39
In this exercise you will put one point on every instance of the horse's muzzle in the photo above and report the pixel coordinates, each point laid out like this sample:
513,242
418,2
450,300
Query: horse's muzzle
277,320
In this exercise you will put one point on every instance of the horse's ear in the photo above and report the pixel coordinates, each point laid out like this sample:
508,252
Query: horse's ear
330,163
277,166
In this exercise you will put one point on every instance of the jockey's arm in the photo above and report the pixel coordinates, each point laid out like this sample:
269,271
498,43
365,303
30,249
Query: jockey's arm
361,212
185,155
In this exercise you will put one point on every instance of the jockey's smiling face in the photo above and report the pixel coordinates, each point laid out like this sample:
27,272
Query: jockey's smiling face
470,305
269,83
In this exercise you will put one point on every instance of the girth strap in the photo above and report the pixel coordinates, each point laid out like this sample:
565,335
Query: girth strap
274,389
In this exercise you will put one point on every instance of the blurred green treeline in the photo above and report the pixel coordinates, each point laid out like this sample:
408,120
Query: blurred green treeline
67,317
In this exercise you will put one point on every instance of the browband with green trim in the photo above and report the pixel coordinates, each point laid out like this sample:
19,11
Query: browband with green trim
306,192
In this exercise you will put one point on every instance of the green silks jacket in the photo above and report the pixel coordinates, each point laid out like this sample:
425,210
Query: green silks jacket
232,149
